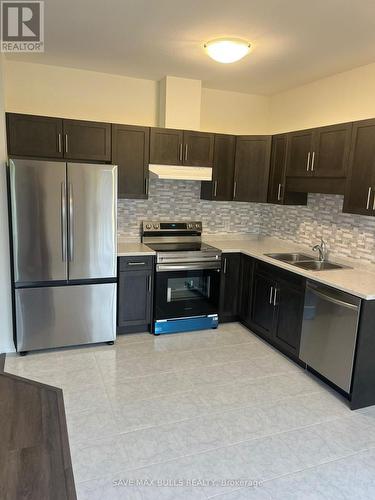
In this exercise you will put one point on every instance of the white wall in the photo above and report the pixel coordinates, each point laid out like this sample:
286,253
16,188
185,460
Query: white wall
6,332
234,112
339,98
86,95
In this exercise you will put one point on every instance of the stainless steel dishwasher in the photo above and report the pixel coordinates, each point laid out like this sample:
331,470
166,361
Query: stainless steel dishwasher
329,333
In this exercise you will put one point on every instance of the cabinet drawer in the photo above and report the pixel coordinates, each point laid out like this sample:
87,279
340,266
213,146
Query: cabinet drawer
135,263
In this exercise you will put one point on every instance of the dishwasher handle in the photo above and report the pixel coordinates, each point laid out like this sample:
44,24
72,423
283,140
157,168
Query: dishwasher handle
329,295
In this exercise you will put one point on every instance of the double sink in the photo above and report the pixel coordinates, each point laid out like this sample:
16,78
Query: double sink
305,261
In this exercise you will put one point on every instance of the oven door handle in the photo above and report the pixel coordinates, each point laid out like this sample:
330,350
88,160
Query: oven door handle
194,266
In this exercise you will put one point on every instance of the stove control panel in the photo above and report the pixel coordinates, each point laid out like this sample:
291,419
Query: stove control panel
152,226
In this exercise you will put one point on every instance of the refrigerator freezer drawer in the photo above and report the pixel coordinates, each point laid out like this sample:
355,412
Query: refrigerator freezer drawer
62,316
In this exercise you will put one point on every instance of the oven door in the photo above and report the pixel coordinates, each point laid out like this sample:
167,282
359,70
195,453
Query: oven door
185,290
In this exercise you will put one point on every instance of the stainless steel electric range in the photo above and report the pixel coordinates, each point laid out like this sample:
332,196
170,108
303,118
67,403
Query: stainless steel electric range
187,277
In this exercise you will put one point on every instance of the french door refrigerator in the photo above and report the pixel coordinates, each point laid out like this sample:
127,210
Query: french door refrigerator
64,252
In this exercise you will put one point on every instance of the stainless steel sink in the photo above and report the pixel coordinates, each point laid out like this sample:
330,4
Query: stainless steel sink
291,258
317,265
305,261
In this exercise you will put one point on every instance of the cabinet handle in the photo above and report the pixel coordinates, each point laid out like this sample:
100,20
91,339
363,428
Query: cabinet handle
279,192
271,294
274,297
225,266
180,153
186,152
66,143
308,162
312,161
368,198
146,185
373,204
149,283
234,189
136,263
60,143
215,189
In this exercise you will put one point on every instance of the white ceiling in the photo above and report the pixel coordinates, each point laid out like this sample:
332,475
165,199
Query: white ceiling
294,41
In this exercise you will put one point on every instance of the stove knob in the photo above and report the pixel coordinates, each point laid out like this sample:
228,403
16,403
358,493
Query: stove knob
156,226
190,226
148,226
198,226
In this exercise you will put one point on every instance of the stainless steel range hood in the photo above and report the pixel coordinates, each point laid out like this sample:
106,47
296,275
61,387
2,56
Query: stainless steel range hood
179,172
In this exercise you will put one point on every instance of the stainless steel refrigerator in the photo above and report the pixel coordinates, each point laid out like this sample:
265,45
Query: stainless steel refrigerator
64,252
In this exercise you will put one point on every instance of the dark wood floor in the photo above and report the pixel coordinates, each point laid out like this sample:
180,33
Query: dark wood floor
34,448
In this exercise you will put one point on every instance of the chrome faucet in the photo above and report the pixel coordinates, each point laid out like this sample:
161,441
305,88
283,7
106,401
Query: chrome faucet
322,249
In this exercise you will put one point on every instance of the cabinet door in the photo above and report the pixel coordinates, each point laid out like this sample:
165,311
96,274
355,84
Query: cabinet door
289,303
198,149
263,308
252,165
360,184
276,185
37,136
130,152
246,288
331,150
166,146
229,287
135,298
85,140
299,154
221,187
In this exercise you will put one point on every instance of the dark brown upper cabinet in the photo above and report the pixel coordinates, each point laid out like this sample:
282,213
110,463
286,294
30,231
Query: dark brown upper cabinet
221,187
360,185
277,193
36,136
130,152
299,153
198,149
45,137
166,146
322,152
331,151
85,140
252,164
178,147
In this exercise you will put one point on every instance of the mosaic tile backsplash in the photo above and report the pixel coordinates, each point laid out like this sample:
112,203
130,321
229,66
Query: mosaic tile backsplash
347,235
180,200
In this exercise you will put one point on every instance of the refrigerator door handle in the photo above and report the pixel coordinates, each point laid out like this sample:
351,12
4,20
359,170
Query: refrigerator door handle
64,224
71,222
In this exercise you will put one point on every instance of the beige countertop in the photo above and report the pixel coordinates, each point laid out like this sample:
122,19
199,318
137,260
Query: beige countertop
359,280
132,248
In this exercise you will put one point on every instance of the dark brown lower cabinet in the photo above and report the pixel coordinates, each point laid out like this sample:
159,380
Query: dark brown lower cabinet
263,309
135,292
229,288
277,307
289,314
246,289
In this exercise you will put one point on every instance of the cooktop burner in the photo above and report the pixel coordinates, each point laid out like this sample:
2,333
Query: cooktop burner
178,242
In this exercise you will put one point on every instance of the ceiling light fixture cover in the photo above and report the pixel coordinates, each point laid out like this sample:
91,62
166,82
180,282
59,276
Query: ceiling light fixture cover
227,50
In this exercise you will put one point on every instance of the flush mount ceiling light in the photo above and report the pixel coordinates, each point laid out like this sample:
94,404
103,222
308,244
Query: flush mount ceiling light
227,50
